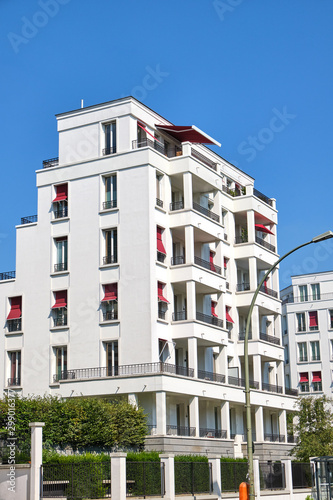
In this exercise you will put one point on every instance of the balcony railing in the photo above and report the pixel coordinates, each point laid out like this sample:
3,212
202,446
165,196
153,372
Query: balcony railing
323,296
52,162
160,256
109,204
213,377
291,392
291,438
240,382
170,152
159,202
274,438
268,291
152,430
206,212
60,321
109,259
264,243
109,151
178,260
14,382
262,197
207,265
179,316
120,371
176,430
243,287
301,328
212,433
241,335
241,239
60,214
211,320
9,275
272,388
198,156
176,205
30,219
254,437
110,315
234,192
269,338
161,314
61,266
14,325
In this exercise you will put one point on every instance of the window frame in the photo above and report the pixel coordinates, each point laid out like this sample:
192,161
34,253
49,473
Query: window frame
109,137
110,191
110,245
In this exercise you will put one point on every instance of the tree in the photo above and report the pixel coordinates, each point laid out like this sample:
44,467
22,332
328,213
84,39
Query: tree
314,428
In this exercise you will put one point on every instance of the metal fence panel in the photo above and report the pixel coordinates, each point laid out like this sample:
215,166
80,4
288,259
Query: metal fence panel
193,477
233,474
302,477
144,479
272,476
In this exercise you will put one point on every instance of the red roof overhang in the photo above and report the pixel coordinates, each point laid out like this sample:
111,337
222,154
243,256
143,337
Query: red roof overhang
188,133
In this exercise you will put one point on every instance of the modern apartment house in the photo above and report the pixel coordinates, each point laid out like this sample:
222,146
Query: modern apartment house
135,281
307,318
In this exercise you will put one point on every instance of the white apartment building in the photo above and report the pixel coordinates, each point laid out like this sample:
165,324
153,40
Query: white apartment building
135,280
307,317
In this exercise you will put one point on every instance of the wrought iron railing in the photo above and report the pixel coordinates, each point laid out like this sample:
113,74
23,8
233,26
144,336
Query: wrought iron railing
241,239
30,219
212,433
110,315
291,392
291,438
177,430
272,475
60,321
13,382
61,266
179,316
301,474
109,204
110,259
241,335
211,320
268,291
206,212
170,151
240,382
52,162
207,265
9,275
14,325
265,244
269,338
262,197
109,151
178,260
272,388
61,213
234,192
159,202
198,156
273,438
213,377
176,205
160,256
243,287
161,314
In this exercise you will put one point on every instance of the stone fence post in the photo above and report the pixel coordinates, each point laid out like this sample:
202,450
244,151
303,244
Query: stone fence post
118,475
288,476
215,460
256,472
36,459
168,459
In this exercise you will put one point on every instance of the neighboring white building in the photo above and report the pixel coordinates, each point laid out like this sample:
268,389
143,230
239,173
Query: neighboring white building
307,317
137,280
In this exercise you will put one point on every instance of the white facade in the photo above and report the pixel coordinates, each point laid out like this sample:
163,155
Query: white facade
143,250
308,333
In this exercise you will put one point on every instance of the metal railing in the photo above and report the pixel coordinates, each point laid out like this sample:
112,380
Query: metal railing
242,287
118,371
110,259
177,261
206,212
52,162
11,382
110,315
272,388
170,151
109,204
145,479
207,265
301,475
179,316
211,320
291,392
177,430
198,156
60,321
212,376
240,382
268,291
241,239
161,314
30,219
274,438
291,438
109,151
272,476
9,275
59,214
159,202
160,257
212,433
193,478
152,429
232,475
241,335
264,244
176,205
269,338
262,197
322,296
234,192
61,266
14,325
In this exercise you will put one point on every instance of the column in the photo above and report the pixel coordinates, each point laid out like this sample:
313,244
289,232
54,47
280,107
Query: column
194,414
169,475
257,369
255,323
118,475
161,413
36,458
277,327
256,473
221,363
283,424
193,355
215,461
188,193
189,244
288,476
225,418
238,432
259,423
133,400
190,295
253,273
250,226
280,374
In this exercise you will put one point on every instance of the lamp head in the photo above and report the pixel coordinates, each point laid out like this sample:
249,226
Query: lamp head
322,237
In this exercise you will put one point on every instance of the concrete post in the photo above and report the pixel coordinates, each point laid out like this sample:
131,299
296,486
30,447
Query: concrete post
191,301
36,459
188,194
225,418
194,414
189,244
259,423
169,475
257,376
215,460
161,413
193,355
133,400
250,226
288,476
256,472
118,475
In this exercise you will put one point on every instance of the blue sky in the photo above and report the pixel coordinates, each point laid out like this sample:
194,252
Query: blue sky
254,74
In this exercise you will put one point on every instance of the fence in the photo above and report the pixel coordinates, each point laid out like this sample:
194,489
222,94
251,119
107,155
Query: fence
301,474
193,478
272,476
232,475
145,479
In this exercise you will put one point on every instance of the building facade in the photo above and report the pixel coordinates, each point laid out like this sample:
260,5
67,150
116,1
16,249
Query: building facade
135,280
307,316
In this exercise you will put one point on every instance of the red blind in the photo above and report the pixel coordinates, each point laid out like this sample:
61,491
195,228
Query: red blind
213,305
110,292
211,261
60,299
160,246
304,377
313,321
160,296
62,192
227,316
225,263
262,228
15,308
316,377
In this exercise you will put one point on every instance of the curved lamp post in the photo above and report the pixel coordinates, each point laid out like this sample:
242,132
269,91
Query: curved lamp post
316,239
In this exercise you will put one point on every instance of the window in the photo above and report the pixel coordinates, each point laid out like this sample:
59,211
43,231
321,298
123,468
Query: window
110,184
59,309
331,342
110,302
110,138
61,254
315,289
303,293
14,318
111,351
163,349
302,351
15,368
161,253
316,382
331,319
60,202
300,317
159,196
111,246
286,354
162,301
315,350
61,363
304,382
313,320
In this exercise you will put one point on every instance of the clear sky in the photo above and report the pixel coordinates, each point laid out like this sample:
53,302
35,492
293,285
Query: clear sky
254,74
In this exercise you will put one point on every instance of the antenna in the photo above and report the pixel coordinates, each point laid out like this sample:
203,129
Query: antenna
81,103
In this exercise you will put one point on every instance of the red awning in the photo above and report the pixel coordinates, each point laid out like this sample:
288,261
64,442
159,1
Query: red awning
62,192
188,133
316,377
228,317
61,299
263,229
225,263
15,308
160,293
151,135
211,261
160,246
110,292
213,305
304,377
313,321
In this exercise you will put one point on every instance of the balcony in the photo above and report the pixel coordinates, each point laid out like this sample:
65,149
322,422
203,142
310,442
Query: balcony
211,320
242,287
179,316
61,266
275,438
120,371
60,214
207,265
213,377
176,430
264,244
170,152
262,197
176,205
241,336
271,388
14,325
240,382
206,212
198,156
160,257
234,192
11,382
52,162
291,392
109,151
110,315
109,204
29,220
159,202
241,239
268,291
212,433
109,259
269,338
177,261
10,275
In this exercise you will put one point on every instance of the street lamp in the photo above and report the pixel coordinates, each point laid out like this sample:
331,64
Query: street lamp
316,239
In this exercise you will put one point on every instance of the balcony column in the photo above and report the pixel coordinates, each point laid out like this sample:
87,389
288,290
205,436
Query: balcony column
277,327
257,376
221,362
189,244
225,418
133,400
193,355
191,302
255,326
275,280
194,414
283,424
253,273
161,413
280,374
250,226
259,423
188,192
